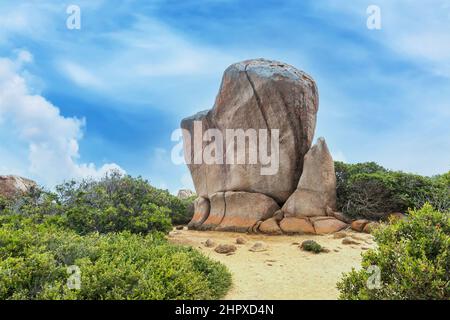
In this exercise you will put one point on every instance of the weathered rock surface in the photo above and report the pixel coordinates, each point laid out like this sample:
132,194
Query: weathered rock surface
238,211
339,235
270,226
258,247
328,225
225,248
296,225
317,186
11,186
257,94
358,225
264,96
201,212
216,213
349,241
244,209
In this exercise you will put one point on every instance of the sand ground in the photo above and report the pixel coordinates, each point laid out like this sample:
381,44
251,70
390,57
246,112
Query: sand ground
284,271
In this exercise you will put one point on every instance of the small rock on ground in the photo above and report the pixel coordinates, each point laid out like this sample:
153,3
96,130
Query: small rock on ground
225,248
349,241
258,247
339,235
210,243
241,240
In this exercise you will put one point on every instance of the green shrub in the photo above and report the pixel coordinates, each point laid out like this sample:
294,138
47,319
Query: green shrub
413,257
368,190
34,259
114,203
312,246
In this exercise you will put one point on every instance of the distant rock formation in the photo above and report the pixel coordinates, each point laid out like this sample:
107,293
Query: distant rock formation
12,186
185,194
238,196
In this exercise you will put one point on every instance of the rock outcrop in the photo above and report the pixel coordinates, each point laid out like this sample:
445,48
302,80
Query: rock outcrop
11,186
260,95
317,186
237,194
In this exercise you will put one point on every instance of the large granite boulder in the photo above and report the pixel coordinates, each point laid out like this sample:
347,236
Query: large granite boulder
243,190
238,211
12,186
255,94
317,186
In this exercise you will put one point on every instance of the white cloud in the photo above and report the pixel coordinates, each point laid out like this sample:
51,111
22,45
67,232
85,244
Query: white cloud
34,122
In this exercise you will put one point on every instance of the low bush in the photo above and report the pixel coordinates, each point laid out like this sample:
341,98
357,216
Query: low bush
34,262
312,246
370,191
413,259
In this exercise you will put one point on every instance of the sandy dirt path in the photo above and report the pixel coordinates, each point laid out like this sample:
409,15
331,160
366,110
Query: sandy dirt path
284,271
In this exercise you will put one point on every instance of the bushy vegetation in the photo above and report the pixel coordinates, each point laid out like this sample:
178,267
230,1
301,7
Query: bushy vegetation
113,232
413,257
371,191
114,203
312,246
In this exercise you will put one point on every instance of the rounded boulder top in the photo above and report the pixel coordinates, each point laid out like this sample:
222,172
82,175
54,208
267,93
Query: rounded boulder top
271,69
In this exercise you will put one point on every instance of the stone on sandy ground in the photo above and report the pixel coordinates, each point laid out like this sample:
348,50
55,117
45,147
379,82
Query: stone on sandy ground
257,94
339,235
357,237
225,248
316,189
258,247
270,226
370,227
210,243
241,240
349,241
296,225
358,225
201,213
329,225
179,227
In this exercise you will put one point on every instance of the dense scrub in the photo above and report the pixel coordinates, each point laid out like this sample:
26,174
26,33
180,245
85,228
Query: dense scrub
108,237
413,259
371,191
114,203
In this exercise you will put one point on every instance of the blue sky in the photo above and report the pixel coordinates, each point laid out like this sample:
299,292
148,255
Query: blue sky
75,103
